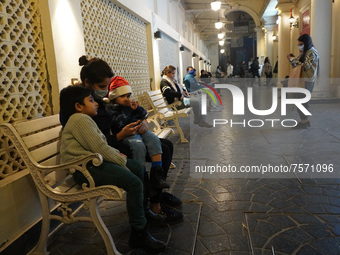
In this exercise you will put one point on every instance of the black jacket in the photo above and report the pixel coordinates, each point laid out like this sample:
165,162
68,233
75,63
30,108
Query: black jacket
169,93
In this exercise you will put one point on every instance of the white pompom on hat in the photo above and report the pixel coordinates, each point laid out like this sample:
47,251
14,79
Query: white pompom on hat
118,87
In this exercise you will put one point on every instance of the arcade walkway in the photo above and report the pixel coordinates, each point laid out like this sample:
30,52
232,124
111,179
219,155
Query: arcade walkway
282,216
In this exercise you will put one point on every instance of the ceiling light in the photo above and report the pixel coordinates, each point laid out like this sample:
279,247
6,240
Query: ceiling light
222,50
221,43
220,35
216,5
218,25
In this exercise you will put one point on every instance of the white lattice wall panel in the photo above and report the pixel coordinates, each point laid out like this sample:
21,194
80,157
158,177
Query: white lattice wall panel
10,161
24,89
119,38
168,52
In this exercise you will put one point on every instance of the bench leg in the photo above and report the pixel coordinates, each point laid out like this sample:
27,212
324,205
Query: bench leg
183,140
41,247
104,232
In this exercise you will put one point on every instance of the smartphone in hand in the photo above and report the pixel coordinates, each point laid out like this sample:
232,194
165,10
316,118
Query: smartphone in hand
141,119
144,117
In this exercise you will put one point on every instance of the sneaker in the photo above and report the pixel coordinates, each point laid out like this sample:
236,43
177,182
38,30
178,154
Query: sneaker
170,200
151,216
171,215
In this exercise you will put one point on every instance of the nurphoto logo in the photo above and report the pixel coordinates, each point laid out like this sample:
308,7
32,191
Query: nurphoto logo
238,108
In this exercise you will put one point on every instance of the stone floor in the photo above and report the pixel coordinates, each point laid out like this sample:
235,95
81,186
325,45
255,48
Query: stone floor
281,215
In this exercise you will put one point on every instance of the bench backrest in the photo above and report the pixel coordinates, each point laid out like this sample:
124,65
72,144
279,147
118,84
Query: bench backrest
42,139
157,101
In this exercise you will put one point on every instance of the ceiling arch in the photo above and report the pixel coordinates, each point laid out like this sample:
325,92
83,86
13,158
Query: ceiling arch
247,10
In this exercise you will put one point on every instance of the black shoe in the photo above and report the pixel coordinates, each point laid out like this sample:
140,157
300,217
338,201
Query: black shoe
170,200
205,124
144,240
301,125
156,178
151,216
171,215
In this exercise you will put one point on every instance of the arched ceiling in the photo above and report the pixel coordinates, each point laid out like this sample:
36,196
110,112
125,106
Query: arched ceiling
200,14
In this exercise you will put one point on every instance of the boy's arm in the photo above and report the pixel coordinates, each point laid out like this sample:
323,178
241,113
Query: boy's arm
86,132
140,111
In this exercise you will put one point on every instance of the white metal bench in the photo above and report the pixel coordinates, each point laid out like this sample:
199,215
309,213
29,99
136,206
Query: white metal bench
38,142
166,112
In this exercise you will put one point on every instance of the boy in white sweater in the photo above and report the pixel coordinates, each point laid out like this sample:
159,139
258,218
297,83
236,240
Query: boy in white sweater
81,136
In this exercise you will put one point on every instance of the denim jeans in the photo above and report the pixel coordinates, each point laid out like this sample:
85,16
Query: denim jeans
139,144
131,181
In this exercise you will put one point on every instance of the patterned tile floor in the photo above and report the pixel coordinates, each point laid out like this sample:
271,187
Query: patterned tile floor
240,216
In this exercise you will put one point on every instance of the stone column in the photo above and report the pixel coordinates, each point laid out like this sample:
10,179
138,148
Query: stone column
284,38
270,25
259,41
321,33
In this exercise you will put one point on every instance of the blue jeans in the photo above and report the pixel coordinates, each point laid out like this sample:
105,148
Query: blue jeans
139,144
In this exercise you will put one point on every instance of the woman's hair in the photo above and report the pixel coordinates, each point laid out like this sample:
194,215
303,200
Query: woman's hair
266,60
307,42
94,70
69,96
168,69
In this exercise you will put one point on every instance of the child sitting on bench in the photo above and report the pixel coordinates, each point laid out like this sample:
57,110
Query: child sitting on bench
125,111
80,137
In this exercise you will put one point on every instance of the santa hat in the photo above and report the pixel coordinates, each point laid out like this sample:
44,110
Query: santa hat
118,87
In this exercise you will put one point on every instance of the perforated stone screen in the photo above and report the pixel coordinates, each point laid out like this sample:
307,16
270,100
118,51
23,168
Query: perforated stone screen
186,57
168,52
119,38
24,91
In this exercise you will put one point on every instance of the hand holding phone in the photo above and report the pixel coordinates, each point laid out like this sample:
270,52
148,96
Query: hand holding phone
144,117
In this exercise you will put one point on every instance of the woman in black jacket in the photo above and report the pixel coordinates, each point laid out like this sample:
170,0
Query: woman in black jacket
172,91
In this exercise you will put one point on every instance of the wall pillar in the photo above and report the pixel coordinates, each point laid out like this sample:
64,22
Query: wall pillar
270,25
321,33
260,41
284,39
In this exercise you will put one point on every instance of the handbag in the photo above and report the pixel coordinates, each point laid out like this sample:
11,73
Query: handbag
295,77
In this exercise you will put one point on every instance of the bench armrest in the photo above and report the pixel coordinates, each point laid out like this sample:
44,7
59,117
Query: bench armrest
171,106
73,166
89,190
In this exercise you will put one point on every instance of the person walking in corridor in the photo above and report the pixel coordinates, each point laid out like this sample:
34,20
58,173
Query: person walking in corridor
254,67
267,70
